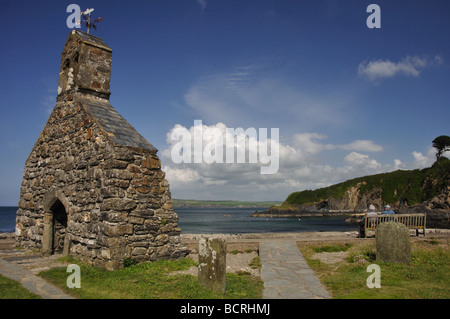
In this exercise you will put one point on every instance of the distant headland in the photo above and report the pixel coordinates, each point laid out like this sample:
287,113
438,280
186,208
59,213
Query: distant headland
406,191
193,203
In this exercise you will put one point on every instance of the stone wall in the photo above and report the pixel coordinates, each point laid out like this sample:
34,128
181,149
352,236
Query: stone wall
117,200
85,66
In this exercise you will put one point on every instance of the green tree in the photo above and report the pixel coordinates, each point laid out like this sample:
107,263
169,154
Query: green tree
442,144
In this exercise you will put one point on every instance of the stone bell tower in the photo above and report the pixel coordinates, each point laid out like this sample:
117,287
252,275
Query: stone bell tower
85,67
92,186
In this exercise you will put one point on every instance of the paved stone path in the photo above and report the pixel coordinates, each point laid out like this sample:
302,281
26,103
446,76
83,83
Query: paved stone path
286,274
18,272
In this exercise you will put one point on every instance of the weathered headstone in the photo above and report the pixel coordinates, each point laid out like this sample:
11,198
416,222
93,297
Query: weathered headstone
212,253
393,243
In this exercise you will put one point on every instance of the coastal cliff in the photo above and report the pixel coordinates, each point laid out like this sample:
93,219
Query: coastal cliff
407,191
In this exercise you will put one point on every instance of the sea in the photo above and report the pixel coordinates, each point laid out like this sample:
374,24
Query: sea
7,219
238,221
220,220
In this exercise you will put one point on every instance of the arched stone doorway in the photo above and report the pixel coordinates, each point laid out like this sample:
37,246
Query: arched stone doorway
59,226
55,238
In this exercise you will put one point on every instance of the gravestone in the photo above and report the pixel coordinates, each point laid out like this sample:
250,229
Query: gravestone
393,243
212,254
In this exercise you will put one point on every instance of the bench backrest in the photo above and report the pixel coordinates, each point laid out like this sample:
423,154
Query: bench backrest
414,221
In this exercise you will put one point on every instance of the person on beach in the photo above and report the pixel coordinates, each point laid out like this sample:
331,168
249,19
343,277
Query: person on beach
387,210
372,213
361,222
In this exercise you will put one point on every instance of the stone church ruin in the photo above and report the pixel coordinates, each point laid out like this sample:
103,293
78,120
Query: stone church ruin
92,186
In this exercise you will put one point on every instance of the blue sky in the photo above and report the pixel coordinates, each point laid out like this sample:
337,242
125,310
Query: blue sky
348,100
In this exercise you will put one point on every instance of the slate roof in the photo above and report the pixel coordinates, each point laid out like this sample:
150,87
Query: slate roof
118,129
92,40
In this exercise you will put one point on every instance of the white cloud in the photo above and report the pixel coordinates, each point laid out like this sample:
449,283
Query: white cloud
398,164
307,144
425,160
355,159
362,146
422,161
300,167
408,66
182,175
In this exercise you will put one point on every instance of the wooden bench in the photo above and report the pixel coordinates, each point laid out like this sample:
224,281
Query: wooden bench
412,221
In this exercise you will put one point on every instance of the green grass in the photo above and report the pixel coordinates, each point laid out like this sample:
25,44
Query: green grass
11,289
255,263
426,277
151,280
333,248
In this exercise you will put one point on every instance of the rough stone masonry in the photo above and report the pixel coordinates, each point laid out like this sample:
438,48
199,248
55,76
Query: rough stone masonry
92,186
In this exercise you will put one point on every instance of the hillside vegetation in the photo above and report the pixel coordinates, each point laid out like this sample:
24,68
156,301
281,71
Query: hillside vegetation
401,187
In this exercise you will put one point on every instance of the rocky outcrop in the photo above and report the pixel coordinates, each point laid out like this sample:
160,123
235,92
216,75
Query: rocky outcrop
402,187
440,201
437,210
354,200
436,218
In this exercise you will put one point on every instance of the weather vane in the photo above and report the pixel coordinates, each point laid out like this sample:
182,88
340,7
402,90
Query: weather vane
87,19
